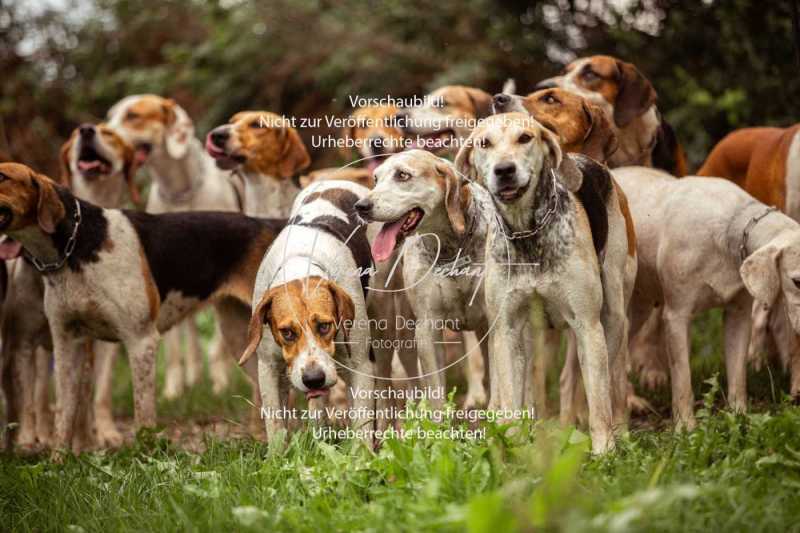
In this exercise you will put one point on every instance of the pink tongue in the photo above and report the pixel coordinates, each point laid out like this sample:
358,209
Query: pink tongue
372,164
386,240
86,165
10,249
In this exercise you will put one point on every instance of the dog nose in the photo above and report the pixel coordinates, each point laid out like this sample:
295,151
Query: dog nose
549,83
220,136
375,145
314,378
501,101
505,171
86,131
364,206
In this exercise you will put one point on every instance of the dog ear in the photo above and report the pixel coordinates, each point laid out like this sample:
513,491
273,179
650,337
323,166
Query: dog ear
66,171
345,310
760,274
481,101
49,210
600,141
452,196
294,156
180,129
463,163
255,330
129,170
636,94
568,173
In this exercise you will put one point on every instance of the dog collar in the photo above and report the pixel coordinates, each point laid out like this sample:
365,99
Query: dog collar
43,267
749,227
514,235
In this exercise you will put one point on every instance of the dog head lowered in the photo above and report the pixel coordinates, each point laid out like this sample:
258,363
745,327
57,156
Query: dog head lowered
305,316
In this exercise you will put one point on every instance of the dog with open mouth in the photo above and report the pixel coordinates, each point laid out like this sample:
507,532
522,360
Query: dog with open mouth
420,197
267,152
126,276
184,178
446,120
311,291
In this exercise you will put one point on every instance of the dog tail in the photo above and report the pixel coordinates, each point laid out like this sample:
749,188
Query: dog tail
510,86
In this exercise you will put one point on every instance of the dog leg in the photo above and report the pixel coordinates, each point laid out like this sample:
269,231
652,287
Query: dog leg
193,354
44,416
23,367
71,363
270,372
593,359
142,354
430,353
676,333
474,371
105,354
737,340
615,326
219,362
173,380
509,354
569,381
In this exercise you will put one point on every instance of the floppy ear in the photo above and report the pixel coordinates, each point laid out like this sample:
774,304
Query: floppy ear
345,309
481,101
452,197
636,94
255,331
180,129
463,162
348,132
600,142
760,274
129,170
568,172
49,210
294,156
66,171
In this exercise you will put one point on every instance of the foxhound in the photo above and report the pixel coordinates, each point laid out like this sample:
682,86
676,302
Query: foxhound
125,276
184,179
100,168
310,291
267,152
629,99
557,254
705,243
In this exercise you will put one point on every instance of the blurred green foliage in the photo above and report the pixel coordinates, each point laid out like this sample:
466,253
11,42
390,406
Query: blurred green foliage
717,65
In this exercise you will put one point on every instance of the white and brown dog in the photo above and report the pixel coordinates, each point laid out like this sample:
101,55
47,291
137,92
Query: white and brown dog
267,152
99,167
557,254
184,178
420,195
311,291
629,100
705,243
125,276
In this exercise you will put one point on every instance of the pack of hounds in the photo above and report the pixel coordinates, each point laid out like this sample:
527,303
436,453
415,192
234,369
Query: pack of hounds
513,220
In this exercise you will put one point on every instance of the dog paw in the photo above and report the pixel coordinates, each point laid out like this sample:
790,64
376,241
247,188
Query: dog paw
653,378
109,437
172,389
475,399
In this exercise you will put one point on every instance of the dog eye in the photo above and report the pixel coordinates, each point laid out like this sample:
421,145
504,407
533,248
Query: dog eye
589,75
255,124
288,335
484,143
3,177
324,328
549,99
402,176
131,115
524,138
796,282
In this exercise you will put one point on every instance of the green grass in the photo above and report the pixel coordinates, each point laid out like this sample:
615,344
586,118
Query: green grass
733,473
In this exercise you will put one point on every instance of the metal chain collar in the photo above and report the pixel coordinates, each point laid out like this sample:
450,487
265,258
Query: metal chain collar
749,227
68,249
514,235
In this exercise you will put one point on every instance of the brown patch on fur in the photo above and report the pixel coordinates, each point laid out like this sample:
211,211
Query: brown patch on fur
362,176
243,278
630,230
150,288
31,197
755,159
374,122
464,102
270,145
108,245
299,307
149,109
